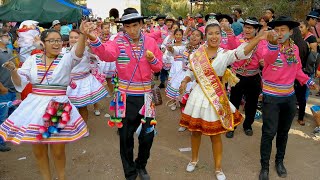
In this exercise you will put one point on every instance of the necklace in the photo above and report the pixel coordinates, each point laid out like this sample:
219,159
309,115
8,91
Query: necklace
289,52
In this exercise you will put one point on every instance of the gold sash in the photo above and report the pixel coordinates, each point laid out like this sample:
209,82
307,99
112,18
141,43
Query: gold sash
212,87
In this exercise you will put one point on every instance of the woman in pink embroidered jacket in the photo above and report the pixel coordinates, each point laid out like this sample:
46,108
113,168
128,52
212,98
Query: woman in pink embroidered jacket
137,57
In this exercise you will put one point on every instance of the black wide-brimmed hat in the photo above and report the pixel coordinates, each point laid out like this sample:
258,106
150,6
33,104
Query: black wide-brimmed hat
129,15
221,16
160,17
283,20
252,21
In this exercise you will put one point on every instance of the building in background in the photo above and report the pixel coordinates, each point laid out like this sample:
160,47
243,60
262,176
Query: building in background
102,8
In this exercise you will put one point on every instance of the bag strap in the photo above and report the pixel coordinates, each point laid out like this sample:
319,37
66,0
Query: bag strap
137,64
45,74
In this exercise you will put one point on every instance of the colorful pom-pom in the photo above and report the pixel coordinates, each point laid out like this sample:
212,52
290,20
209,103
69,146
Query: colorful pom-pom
143,121
46,117
68,108
52,130
59,112
54,119
46,135
51,110
42,129
153,122
119,125
39,137
110,123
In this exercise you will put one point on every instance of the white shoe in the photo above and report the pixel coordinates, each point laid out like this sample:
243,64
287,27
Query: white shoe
109,96
181,129
87,134
220,175
107,115
97,112
191,166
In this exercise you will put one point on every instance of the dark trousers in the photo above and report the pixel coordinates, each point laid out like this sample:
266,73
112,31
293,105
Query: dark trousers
277,116
301,98
250,87
163,75
130,124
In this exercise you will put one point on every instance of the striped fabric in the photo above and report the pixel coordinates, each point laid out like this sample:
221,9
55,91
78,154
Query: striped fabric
135,88
246,72
42,68
178,58
81,75
92,98
16,135
49,90
171,92
278,90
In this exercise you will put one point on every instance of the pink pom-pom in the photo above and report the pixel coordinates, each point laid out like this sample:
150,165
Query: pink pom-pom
39,137
52,111
62,124
67,108
112,108
46,117
46,123
66,118
64,114
42,129
73,85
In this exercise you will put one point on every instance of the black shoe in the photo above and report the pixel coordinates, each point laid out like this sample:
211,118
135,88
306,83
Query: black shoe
281,170
161,85
143,174
248,132
4,148
230,134
264,174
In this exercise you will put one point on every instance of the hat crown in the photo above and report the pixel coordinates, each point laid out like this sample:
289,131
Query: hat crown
130,11
284,18
314,14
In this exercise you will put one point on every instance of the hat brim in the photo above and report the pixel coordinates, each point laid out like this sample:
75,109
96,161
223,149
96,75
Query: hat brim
131,19
290,24
170,19
164,18
254,25
219,17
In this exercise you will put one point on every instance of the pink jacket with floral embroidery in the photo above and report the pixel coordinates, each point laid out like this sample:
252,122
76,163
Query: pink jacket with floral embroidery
279,76
121,51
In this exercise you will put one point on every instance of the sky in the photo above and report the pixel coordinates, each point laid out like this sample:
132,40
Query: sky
101,8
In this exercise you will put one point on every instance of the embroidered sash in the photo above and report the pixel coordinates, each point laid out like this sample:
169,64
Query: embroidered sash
212,87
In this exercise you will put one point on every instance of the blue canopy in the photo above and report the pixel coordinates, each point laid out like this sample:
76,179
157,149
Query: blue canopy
85,10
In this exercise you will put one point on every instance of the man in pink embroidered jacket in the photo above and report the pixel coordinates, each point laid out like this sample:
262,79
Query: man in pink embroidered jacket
137,57
248,73
160,32
282,66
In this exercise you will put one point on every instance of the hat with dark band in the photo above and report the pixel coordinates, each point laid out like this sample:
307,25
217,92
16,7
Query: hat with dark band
283,20
252,21
130,14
